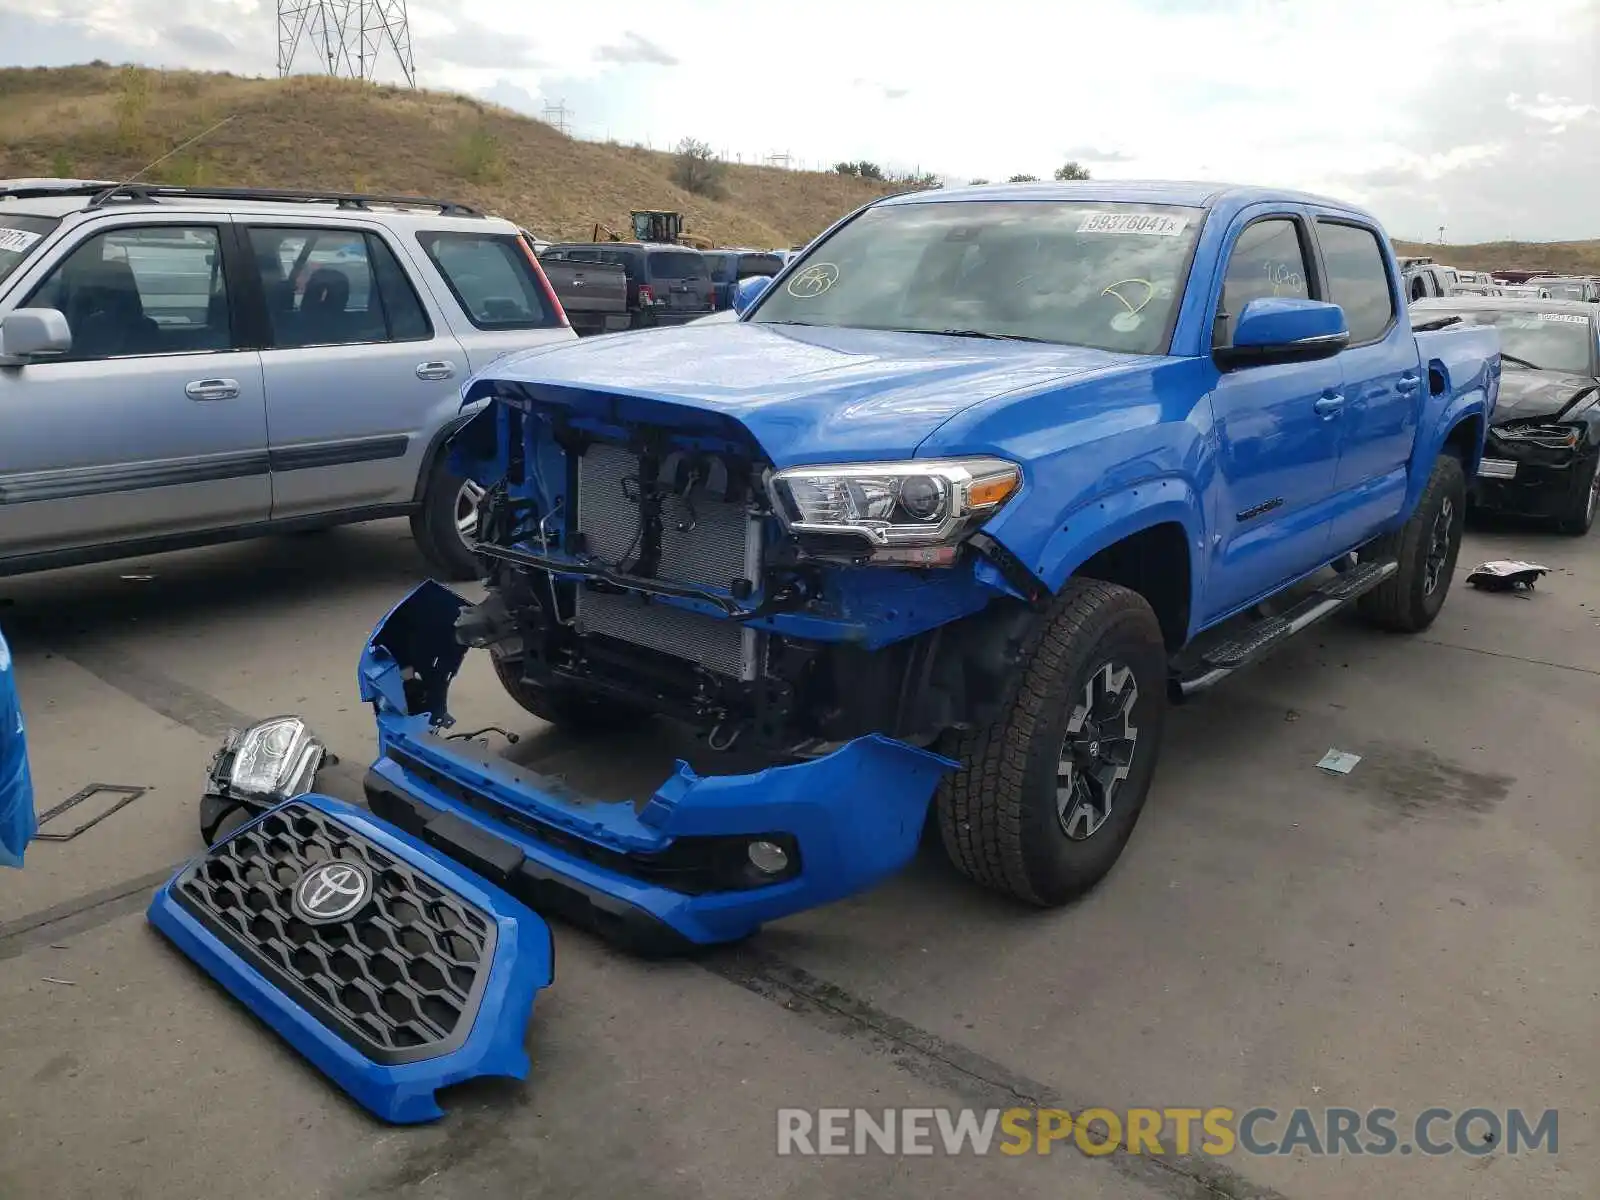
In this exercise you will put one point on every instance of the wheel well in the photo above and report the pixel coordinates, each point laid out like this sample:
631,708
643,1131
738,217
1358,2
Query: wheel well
1464,441
1155,563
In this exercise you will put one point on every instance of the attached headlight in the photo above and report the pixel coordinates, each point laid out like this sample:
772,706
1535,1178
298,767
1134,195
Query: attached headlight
917,508
1557,437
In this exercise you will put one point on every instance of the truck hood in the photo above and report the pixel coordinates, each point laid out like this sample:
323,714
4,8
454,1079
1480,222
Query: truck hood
1527,394
806,394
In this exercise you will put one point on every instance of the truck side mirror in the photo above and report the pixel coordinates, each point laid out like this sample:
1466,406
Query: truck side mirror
29,334
749,291
1284,329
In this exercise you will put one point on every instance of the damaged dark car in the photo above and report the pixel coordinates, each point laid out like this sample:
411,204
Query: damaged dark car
1542,457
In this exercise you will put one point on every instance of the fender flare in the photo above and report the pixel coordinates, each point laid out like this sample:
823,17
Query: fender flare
439,443
1431,439
1106,519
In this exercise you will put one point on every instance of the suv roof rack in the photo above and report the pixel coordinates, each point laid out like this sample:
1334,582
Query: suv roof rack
148,193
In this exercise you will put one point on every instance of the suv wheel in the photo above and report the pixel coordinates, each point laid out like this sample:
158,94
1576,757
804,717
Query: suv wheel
1426,547
446,523
1584,502
1048,795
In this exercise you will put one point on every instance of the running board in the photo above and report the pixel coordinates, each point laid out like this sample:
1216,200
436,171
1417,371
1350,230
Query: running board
1225,657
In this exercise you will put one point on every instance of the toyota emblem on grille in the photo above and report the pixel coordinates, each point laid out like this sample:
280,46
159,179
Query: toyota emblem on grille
332,891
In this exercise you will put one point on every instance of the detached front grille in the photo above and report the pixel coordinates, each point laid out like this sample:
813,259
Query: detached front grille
399,978
720,542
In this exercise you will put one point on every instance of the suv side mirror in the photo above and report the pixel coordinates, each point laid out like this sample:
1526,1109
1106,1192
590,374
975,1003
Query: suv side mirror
749,291
1284,329
27,334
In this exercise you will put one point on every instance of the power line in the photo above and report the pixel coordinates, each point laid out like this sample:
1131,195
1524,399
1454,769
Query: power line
558,115
347,38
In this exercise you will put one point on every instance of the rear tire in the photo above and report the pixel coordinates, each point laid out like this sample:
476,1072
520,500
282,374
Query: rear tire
445,522
564,707
1426,547
1585,501
1048,795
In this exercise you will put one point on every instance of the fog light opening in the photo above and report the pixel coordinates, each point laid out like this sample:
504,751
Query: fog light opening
768,857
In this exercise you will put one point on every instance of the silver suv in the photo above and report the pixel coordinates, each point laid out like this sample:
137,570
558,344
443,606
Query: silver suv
181,366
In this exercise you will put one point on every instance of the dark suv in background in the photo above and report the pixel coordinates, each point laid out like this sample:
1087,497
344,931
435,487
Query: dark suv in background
728,267
667,285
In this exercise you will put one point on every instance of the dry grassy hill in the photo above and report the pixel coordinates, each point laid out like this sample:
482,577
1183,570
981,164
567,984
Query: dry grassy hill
106,122
1556,258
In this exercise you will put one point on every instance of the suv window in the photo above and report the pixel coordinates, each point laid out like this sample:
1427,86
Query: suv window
156,289
492,277
759,264
1267,260
678,264
333,287
1358,281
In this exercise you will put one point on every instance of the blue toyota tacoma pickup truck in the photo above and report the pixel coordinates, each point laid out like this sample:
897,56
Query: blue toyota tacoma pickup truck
969,494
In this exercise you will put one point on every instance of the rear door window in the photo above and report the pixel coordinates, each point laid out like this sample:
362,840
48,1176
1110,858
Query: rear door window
1358,280
321,287
492,277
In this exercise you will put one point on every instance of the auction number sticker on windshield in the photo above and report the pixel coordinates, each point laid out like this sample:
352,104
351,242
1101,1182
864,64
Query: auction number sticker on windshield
17,240
1149,224
1565,318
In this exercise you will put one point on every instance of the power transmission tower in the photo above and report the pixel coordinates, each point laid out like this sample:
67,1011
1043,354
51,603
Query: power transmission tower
346,37
557,114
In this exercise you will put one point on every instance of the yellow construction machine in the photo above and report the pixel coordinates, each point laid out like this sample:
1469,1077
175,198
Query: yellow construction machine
655,226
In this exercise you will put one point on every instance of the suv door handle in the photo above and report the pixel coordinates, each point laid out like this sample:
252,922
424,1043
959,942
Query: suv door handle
1407,384
438,369
212,389
1329,406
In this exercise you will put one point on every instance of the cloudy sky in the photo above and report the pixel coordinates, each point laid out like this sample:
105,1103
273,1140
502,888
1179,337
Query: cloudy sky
1478,115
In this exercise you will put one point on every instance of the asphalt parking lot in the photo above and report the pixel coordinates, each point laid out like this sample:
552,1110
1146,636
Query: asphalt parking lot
1419,933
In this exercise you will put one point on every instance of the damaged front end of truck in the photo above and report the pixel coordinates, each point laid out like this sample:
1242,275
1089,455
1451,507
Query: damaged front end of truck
648,557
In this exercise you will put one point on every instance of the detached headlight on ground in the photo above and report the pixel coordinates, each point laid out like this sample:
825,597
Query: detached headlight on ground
917,508
260,767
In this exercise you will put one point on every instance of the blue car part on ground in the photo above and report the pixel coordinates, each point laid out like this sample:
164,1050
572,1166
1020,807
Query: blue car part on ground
390,967
703,860
18,823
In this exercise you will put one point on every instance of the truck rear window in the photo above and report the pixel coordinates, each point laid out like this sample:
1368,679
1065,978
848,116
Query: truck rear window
19,235
678,264
492,279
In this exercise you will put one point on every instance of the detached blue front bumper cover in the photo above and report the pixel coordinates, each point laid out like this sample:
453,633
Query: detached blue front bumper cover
672,873
407,976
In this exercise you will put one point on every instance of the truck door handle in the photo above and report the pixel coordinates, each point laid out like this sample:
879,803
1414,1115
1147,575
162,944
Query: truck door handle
212,389
1407,384
438,369
1329,406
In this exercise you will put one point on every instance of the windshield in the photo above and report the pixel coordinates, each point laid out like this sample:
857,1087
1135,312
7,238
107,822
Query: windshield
1552,341
724,267
19,234
1563,289
1103,275
678,264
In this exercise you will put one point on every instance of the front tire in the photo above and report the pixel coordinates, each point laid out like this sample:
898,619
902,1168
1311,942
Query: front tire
447,522
1584,503
1426,547
563,707
1048,794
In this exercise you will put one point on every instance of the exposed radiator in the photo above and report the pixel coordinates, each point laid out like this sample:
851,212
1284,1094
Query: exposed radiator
722,543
